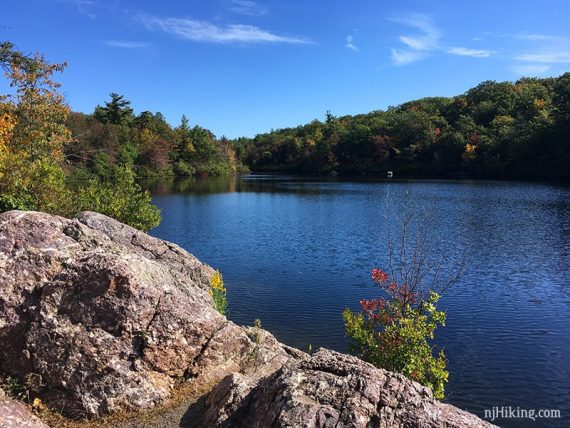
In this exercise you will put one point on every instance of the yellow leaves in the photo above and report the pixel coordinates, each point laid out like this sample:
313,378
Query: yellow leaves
218,292
470,148
37,113
502,121
189,147
470,152
37,405
147,137
7,125
539,104
217,282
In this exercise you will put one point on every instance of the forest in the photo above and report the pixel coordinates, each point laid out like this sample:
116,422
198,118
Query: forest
113,135
517,130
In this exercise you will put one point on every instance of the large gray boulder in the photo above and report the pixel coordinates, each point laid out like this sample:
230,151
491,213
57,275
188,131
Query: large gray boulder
96,316
330,390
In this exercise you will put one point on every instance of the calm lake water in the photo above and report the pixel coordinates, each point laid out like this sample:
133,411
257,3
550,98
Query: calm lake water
296,251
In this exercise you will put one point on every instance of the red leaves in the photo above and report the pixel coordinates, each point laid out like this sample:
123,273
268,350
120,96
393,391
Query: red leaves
370,306
379,276
379,309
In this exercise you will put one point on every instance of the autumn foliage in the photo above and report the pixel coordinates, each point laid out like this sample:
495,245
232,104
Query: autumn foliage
393,332
32,136
34,171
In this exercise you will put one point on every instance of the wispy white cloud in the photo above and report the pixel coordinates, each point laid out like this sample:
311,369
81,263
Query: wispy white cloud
545,49
417,45
475,53
126,44
403,56
350,43
247,7
81,3
203,31
530,69
83,6
538,37
561,57
427,39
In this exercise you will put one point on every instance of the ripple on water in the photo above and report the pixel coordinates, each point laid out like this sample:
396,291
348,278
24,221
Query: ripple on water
295,252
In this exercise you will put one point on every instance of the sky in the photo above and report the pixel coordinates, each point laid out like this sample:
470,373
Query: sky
242,67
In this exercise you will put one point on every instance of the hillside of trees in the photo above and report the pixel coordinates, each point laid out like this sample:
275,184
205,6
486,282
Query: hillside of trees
114,135
495,130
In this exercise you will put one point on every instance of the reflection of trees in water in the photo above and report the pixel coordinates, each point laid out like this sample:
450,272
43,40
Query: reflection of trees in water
190,185
311,186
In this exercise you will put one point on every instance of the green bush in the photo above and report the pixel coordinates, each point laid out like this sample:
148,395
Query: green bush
119,197
14,387
37,185
393,333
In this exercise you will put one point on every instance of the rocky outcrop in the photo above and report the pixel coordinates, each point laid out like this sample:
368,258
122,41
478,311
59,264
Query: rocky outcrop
330,390
14,414
97,317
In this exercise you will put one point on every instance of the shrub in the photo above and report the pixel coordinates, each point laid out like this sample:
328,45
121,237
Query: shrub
219,292
37,185
14,387
392,333
119,197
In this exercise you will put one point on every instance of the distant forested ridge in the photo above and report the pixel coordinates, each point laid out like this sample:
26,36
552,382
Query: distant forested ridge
494,130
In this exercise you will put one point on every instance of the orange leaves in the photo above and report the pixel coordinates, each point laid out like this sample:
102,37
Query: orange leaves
38,113
7,124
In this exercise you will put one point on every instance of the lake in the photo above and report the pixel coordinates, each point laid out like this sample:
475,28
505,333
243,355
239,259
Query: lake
294,252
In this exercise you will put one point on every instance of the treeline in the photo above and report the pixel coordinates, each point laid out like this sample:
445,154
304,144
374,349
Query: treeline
114,135
494,130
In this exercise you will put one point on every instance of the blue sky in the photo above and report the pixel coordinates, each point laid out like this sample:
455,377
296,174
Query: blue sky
240,67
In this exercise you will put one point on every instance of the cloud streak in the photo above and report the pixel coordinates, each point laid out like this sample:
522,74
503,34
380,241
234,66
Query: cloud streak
247,7
417,45
403,57
203,31
350,43
552,49
426,39
559,57
530,69
126,44
474,53
83,6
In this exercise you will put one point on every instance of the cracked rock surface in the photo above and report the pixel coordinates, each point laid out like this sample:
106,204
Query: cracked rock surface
330,390
96,316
